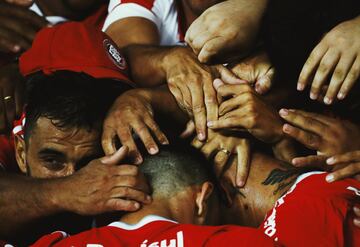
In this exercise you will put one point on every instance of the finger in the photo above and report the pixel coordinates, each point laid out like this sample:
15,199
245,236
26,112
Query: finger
199,40
357,211
346,172
264,83
243,165
29,17
230,90
199,111
7,45
310,66
108,140
210,101
211,48
116,157
130,194
160,136
210,148
312,160
117,204
344,158
308,139
189,130
220,161
24,3
19,27
227,76
13,40
125,170
307,123
234,103
338,77
143,132
350,79
196,143
327,65
235,119
177,93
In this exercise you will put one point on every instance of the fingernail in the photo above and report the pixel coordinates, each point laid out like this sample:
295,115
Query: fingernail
357,222
294,161
148,198
153,150
240,183
210,124
313,96
16,48
283,112
330,161
286,128
201,136
165,142
327,100
300,87
330,178
341,96
357,210
138,160
136,205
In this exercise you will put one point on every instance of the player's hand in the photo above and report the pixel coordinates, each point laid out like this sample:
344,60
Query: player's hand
219,148
18,27
11,95
226,31
334,61
344,166
246,110
328,136
191,83
104,185
132,112
357,216
257,70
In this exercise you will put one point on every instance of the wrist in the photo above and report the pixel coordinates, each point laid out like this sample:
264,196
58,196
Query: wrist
54,192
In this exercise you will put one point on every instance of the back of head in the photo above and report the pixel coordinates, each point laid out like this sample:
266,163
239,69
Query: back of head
174,168
69,100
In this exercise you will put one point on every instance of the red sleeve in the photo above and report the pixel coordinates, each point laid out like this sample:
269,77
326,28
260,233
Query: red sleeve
315,213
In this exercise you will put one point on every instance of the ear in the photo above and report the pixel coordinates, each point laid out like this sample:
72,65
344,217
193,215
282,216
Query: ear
20,153
202,201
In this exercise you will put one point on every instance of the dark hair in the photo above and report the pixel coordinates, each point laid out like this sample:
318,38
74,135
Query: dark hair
174,168
69,99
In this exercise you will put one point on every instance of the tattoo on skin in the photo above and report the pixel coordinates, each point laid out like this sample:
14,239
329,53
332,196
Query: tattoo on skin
281,176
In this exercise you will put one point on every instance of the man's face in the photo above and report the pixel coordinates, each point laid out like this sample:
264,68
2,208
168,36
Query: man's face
53,152
199,6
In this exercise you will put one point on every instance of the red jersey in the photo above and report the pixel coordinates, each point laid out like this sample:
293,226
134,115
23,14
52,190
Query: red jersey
315,213
312,213
155,231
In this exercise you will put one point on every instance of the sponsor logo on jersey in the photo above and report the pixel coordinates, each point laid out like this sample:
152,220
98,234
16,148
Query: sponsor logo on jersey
176,242
114,54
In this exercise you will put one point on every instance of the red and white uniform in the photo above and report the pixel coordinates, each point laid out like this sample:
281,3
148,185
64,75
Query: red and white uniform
155,231
163,13
312,213
315,213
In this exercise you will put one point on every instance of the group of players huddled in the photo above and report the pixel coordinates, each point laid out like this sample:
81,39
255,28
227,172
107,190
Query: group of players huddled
156,123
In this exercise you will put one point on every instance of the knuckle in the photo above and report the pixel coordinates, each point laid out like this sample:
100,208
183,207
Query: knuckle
198,108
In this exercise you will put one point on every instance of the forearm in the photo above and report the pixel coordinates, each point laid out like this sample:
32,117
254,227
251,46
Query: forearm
23,199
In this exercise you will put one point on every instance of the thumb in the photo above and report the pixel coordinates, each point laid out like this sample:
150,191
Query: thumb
116,157
24,3
264,83
211,48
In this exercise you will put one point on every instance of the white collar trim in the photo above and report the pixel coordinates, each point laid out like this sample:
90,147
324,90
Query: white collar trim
144,221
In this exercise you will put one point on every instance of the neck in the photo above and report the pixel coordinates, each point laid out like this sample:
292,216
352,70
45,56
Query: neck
268,180
179,208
